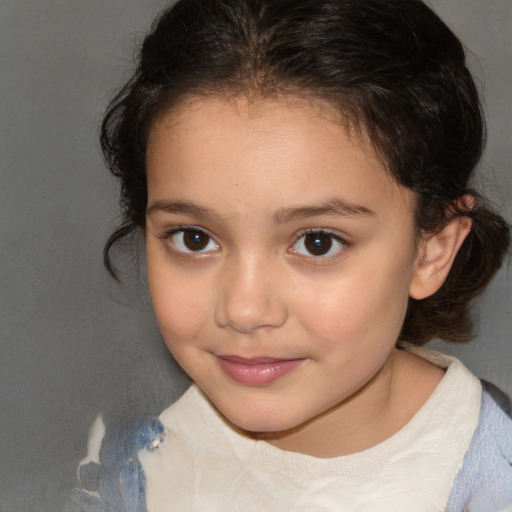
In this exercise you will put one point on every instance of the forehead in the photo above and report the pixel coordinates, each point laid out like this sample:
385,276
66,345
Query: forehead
254,116
271,150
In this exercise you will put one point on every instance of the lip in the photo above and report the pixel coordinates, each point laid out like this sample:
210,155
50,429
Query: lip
256,371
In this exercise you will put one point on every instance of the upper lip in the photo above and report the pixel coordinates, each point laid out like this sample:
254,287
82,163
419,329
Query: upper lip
255,360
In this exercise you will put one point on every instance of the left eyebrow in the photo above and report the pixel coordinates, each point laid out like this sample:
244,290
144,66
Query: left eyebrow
335,206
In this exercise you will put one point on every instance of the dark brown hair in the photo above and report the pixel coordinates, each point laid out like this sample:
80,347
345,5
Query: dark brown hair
391,67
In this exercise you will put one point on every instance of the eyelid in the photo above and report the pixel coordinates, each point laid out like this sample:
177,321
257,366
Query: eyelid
184,228
321,259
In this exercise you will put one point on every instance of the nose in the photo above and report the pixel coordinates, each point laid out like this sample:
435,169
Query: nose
251,296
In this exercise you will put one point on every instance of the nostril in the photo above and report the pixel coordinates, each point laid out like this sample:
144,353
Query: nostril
250,313
244,315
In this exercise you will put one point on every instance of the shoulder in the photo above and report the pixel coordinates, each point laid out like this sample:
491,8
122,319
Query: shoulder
111,476
484,483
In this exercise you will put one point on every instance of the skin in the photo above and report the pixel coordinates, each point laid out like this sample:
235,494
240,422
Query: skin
251,177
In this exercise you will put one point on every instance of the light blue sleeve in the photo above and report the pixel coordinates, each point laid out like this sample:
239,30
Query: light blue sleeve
484,483
117,482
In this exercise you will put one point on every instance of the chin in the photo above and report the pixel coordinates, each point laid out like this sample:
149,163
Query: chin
262,423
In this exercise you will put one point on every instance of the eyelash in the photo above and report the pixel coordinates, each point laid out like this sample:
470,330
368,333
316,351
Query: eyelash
190,230
339,243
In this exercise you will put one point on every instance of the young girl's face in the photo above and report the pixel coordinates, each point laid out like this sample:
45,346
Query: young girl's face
280,256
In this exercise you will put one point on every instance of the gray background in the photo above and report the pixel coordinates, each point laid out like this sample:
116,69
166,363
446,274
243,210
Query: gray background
73,342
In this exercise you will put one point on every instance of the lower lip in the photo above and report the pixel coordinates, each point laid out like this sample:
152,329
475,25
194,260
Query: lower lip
257,374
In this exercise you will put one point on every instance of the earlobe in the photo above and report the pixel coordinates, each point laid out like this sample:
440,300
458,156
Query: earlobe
435,257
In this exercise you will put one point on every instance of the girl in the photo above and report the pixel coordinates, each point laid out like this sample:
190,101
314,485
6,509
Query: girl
301,171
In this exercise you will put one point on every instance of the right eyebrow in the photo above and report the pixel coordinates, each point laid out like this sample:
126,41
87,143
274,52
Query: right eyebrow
191,209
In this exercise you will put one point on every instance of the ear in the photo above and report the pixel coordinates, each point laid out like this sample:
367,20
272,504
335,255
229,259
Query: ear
435,257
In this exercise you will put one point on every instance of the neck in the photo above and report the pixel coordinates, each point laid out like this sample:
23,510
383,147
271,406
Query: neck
368,417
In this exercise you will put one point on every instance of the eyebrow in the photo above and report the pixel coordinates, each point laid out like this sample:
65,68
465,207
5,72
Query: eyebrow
183,207
334,206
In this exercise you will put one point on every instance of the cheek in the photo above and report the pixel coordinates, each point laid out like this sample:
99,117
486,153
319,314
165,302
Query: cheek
176,313
180,301
358,309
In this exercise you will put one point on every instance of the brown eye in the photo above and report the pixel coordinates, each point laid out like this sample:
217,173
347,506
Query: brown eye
195,240
319,244
192,240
